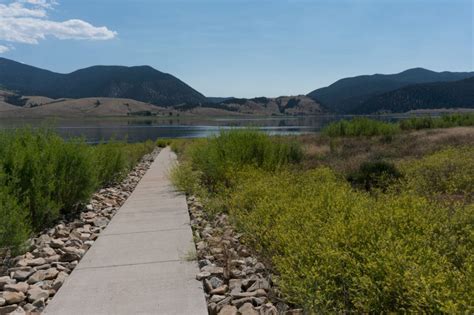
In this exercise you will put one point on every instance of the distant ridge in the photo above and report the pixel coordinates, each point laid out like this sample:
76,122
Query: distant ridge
346,95
437,95
141,83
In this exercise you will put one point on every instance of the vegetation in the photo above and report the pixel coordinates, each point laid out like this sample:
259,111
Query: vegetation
335,248
360,127
370,127
43,177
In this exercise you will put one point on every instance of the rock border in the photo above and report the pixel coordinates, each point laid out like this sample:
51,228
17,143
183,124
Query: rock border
234,280
34,277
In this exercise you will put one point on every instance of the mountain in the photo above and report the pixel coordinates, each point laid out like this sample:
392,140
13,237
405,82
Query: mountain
457,94
141,83
283,105
347,94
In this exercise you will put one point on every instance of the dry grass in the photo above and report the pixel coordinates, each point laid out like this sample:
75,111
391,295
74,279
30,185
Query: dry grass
346,154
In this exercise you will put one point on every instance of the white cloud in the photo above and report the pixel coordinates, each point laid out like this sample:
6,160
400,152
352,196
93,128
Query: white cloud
27,22
4,49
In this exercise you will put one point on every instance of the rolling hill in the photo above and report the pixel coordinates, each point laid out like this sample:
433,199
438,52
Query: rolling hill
345,95
141,83
457,94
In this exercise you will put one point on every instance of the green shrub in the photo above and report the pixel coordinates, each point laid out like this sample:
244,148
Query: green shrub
115,159
445,121
339,251
217,158
14,223
374,175
360,127
450,171
161,143
44,177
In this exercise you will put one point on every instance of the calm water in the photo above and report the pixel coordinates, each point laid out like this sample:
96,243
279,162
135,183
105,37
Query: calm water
135,130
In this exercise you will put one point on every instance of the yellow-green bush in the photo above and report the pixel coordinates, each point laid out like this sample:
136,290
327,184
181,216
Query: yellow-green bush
450,171
338,250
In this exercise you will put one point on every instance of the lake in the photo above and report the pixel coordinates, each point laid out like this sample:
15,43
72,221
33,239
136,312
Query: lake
141,129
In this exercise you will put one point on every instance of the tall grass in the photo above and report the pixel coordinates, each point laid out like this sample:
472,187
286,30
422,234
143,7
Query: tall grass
370,127
43,177
360,127
218,157
445,121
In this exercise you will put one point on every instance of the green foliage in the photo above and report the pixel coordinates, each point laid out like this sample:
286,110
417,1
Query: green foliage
115,159
14,224
445,121
450,171
218,157
335,249
370,127
44,177
360,127
161,143
338,250
374,175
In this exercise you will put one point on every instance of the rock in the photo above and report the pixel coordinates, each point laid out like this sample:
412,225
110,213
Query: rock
297,311
40,303
28,307
243,294
53,258
100,221
260,284
213,270
220,290
242,301
228,310
18,287
268,309
50,274
56,243
23,274
37,277
212,308
225,301
247,309
215,282
259,300
6,280
8,309
33,262
13,297
37,293
235,285
47,251
259,267
58,282
207,285
204,262
2,301
203,275
18,311
216,298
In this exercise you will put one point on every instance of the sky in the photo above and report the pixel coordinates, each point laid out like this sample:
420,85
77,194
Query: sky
242,48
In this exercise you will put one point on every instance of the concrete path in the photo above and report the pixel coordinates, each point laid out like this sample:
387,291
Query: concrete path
138,264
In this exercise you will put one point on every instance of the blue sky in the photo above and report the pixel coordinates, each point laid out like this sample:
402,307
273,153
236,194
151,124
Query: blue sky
242,48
